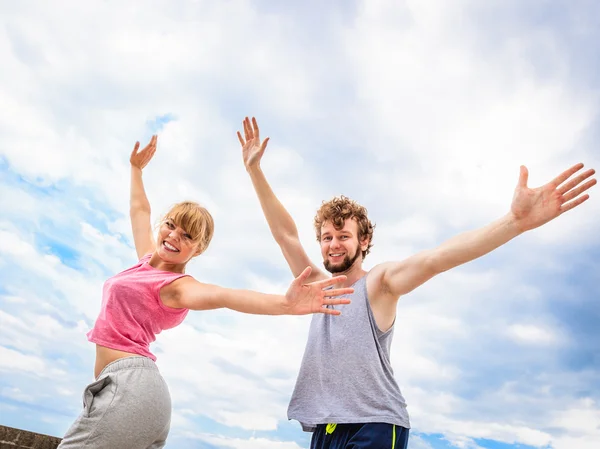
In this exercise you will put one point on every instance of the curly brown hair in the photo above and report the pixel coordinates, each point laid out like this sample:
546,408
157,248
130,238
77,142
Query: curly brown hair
337,211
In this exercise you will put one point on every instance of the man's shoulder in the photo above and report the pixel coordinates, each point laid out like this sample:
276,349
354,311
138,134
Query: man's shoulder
378,270
377,287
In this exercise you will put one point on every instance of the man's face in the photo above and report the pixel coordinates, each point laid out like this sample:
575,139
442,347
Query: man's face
340,248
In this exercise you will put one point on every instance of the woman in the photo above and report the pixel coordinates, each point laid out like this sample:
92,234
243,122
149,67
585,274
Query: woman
129,406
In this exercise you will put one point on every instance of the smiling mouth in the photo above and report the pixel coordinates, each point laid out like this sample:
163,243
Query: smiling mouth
170,247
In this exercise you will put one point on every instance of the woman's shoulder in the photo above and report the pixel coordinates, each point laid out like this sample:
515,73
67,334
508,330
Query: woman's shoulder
173,291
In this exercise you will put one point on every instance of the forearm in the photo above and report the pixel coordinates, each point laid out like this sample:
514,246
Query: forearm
193,295
138,198
473,244
248,301
280,221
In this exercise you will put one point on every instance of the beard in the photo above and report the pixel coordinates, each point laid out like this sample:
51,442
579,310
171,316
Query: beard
344,265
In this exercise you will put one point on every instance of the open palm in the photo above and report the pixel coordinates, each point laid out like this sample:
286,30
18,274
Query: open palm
302,299
252,149
535,207
141,158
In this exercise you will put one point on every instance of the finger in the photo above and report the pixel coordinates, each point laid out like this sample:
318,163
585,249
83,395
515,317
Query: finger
147,147
303,276
135,148
575,181
336,301
338,292
256,130
264,145
329,282
327,311
523,176
240,138
566,174
570,205
578,191
247,129
244,128
146,151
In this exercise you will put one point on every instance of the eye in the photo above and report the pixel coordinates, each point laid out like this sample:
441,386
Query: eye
170,225
187,236
326,239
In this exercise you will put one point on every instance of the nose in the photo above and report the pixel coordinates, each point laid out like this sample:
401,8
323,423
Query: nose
335,243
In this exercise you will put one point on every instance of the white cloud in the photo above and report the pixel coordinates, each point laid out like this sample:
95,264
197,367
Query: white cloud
417,442
15,360
17,394
580,424
531,334
252,443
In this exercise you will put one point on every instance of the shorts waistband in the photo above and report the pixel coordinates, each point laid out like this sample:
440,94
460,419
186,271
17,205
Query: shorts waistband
128,363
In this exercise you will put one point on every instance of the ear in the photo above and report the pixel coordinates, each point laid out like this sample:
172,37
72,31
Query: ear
364,243
199,250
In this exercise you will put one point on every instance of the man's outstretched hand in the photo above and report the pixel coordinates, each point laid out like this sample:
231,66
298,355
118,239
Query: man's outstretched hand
535,207
252,148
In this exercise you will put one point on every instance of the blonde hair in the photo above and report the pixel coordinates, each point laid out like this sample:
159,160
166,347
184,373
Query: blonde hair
337,211
195,220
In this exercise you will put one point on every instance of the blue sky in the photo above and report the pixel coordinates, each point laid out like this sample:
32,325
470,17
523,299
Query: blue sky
421,110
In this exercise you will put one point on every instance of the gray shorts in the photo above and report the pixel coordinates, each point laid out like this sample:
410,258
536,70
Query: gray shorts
127,407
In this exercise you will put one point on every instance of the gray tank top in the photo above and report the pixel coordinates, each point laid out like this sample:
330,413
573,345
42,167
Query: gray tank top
346,375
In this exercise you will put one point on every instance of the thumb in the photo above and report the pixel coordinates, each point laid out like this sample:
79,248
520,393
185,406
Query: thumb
264,146
135,148
523,176
301,279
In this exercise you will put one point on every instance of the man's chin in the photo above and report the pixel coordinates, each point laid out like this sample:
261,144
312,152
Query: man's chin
335,268
342,266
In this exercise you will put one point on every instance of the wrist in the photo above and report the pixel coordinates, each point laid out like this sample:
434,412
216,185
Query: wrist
283,306
254,168
515,225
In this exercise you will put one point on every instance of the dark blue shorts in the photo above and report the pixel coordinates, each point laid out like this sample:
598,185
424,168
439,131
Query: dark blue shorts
359,436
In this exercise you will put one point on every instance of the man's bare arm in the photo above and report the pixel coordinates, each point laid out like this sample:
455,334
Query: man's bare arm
280,222
530,209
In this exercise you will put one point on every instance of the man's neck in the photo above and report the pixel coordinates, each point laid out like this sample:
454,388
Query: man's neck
353,274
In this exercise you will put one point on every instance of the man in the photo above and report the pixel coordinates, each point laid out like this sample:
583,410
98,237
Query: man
345,392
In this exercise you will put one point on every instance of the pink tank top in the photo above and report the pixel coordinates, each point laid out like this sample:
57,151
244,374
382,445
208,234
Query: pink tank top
132,312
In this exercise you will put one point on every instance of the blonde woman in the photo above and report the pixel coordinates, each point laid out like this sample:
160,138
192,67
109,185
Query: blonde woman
128,406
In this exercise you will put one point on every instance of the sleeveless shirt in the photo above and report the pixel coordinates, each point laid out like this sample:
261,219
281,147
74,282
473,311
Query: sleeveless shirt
346,375
132,312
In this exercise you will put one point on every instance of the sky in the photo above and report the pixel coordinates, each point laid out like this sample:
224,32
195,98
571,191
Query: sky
421,110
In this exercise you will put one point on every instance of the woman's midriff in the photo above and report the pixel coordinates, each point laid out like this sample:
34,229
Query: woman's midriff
105,355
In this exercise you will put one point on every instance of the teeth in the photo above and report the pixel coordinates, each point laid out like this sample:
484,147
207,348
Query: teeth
171,247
